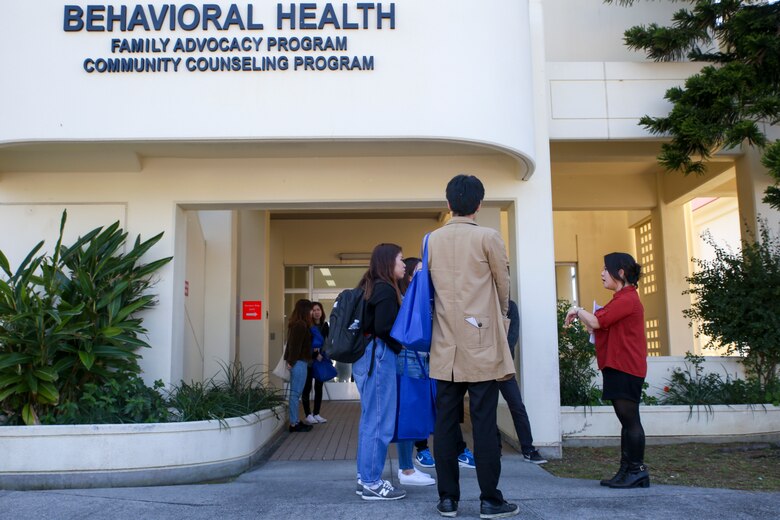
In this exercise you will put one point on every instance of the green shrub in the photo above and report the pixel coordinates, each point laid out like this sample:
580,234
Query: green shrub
122,399
236,393
691,386
69,320
737,303
575,358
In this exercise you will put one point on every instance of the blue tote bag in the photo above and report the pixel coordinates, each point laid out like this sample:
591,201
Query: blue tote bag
323,370
416,412
412,327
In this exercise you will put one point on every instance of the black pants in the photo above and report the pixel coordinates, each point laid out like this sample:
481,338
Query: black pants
423,444
514,400
483,400
307,391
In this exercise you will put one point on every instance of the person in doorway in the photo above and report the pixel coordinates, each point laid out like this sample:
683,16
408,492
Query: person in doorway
514,400
375,372
469,349
297,353
621,354
319,331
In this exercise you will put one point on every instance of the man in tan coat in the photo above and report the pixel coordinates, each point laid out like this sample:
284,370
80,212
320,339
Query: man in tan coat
469,348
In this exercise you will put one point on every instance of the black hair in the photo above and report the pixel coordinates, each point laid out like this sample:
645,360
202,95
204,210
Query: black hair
465,193
410,264
614,262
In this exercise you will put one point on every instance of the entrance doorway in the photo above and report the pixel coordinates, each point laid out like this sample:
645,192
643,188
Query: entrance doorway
323,283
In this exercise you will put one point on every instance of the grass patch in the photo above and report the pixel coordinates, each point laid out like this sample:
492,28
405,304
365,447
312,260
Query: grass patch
751,467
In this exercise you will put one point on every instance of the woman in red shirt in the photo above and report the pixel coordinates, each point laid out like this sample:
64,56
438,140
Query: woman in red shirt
621,353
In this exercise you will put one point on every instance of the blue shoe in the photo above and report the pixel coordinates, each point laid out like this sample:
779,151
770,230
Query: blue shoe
425,459
466,459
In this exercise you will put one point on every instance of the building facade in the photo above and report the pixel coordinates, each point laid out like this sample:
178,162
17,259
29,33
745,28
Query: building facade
275,143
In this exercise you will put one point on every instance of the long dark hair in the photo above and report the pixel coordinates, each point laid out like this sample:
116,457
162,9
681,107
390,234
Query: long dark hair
381,267
411,264
614,262
300,314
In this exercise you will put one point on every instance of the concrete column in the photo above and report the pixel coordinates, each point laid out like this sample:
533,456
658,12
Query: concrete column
752,180
533,272
253,263
672,264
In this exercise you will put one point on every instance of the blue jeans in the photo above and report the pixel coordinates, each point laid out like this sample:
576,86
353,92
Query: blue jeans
377,409
297,380
413,369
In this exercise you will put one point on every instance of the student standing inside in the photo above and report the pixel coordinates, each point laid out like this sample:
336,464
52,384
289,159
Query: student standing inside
469,349
319,332
621,354
375,371
297,353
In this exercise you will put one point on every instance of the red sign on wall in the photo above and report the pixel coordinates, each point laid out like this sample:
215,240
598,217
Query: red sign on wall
252,310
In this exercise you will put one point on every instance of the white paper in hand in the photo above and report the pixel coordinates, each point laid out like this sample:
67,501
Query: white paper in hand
596,307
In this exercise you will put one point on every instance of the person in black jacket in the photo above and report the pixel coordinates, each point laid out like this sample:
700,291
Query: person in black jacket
297,353
375,372
511,394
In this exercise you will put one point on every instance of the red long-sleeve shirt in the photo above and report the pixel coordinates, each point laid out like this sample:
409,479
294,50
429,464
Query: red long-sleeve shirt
620,339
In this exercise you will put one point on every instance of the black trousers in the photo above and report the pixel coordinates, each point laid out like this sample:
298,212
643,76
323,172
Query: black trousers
514,401
307,391
483,400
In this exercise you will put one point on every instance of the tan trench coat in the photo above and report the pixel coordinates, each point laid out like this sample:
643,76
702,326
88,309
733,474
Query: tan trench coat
471,285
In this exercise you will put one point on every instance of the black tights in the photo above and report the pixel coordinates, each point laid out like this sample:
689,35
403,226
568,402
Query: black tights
632,435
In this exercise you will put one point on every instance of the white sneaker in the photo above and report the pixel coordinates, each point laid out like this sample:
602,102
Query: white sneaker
320,419
418,478
311,420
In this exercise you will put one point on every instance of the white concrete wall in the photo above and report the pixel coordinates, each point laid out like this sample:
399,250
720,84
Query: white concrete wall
590,30
433,79
219,343
194,300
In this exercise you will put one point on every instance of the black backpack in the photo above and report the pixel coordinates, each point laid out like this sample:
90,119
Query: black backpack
345,342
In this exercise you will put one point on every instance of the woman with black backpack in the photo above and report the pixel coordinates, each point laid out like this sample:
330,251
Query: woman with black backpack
375,371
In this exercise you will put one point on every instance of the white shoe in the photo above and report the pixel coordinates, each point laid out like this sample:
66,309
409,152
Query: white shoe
418,478
311,420
320,419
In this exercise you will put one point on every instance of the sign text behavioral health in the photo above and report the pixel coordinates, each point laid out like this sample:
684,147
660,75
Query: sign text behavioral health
234,38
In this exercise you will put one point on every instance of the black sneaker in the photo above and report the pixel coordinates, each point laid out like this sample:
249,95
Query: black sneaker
534,457
447,507
503,510
300,427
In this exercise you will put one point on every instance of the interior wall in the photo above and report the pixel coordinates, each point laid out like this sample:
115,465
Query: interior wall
220,232
194,299
584,237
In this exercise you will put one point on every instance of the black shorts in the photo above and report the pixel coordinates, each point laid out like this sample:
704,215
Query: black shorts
620,385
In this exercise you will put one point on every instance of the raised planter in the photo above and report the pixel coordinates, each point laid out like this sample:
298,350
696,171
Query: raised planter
113,455
584,425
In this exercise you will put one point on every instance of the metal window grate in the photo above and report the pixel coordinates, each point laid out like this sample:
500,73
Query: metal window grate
647,258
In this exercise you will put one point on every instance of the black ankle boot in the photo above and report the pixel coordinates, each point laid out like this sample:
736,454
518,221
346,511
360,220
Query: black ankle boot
621,473
636,476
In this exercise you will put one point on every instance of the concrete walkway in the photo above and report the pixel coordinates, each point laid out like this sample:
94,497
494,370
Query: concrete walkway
326,490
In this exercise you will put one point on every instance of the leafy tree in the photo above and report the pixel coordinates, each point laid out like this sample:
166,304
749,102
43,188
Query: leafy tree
575,357
726,103
737,303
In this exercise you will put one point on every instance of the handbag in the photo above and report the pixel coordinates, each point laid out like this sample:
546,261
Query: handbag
412,327
323,370
281,371
416,405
